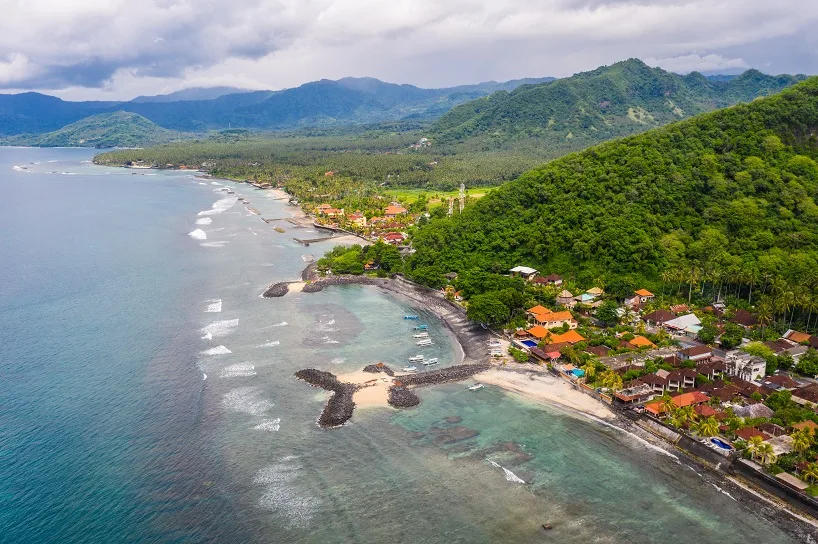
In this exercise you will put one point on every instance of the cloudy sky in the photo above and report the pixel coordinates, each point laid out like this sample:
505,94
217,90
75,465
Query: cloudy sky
118,49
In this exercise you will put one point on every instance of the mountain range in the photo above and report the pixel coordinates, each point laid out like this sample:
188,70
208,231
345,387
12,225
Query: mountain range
319,103
612,101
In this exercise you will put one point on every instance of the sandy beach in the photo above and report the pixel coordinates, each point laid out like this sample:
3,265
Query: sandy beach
374,393
546,389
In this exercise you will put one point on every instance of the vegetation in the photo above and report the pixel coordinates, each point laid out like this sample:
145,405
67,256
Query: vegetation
722,202
609,102
382,259
119,129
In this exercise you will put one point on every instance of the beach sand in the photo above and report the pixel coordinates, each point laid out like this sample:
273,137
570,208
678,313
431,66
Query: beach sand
375,394
546,389
296,286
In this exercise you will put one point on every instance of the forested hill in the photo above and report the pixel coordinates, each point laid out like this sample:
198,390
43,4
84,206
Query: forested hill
730,192
612,101
119,129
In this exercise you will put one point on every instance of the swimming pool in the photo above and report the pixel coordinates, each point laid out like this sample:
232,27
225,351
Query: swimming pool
721,444
530,343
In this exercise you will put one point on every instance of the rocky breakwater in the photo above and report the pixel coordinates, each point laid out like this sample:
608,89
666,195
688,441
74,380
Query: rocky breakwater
319,284
379,367
340,406
451,374
401,396
277,290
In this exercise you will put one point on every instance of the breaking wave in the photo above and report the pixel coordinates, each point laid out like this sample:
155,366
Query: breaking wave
510,476
338,361
214,244
219,206
246,400
281,496
214,305
218,350
198,234
238,370
269,425
204,221
220,328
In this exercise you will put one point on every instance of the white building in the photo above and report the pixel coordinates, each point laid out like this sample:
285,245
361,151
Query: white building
745,366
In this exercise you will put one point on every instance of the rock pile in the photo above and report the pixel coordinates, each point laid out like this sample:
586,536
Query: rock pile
340,406
277,290
450,374
402,397
379,367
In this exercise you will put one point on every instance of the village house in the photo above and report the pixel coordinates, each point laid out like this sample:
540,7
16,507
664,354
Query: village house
635,391
745,366
569,337
553,279
694,398
711,369
658,318
658,383
394,238
394,210
596,292
687,325
358,219
744,318
565,298
524,272
639,342
801,338
696,353
683,378
540,315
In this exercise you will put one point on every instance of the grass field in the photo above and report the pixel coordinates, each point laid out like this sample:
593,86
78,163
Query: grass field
407,196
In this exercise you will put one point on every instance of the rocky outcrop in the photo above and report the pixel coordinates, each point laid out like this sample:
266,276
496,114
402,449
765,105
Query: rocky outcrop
402,397
340,406
379,367
277,290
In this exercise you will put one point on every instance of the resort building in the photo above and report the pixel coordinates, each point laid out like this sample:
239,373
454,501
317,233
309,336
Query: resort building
696,353
658,318
553,279
565,298
745,366
548,319
688,325
524,272
394,210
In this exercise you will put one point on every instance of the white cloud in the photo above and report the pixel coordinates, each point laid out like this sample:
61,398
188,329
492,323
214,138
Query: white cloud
119,46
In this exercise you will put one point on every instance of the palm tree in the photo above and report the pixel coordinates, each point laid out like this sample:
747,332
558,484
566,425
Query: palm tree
707,427
754,444
766,454
677,418
764,313
688,413
666,276
812,305
667,406
810,474
801,441
590,370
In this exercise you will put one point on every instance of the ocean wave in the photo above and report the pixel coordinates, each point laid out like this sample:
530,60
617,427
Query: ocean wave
238,370
198,234
215,183
218,350
204,221
219,206
281,496
282,324
202,183
510,476
220,328
215,244
328,340
269,425
214,305
338,360
246,400
208,336
638,439
270,344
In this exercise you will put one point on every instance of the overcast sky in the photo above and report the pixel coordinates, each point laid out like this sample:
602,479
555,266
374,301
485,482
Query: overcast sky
118,49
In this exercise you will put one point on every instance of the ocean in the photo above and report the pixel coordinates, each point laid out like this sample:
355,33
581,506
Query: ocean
147,393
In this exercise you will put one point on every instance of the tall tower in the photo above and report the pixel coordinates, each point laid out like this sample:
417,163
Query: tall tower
462,197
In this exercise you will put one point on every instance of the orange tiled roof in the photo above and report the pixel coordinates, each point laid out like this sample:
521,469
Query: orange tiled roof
572,337
644,293
539,309
564,315
798,337
538,331
641,341
394,210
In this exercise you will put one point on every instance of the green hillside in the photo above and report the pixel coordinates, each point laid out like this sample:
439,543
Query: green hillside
729,194
612,101
118,129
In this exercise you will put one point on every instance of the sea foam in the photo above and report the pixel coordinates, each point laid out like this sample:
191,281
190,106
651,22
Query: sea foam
219,206
220,328
510,476
281,496
214,305
269,425
204,221
198,234
218,350
238,370
246,400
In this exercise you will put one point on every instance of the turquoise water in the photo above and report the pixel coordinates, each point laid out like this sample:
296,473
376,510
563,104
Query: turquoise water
133,411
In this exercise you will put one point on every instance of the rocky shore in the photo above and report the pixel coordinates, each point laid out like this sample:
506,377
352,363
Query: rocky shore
277,290
340,406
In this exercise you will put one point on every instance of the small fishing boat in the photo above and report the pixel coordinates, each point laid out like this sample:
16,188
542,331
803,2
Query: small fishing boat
415,358
411,317
412,368
425,342
421,335
476,387
432,361
422,328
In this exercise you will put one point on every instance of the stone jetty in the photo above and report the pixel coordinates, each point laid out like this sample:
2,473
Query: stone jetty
340,406
277,290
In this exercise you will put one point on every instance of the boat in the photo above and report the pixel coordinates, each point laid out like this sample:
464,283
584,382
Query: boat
411,317
425,342
421,335
415,358
432,361
412,368
476,387
422,328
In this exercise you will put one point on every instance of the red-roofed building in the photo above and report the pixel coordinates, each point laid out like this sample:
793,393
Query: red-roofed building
748,432
394,211
394,238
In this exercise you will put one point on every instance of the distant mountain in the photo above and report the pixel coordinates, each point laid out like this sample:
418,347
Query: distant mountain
118,129
193,93
612,101
323,103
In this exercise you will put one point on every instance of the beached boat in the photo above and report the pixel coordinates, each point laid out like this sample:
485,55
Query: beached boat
412,368
422,328
411,317
421,335
415,358
476,387
425,342
432,361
